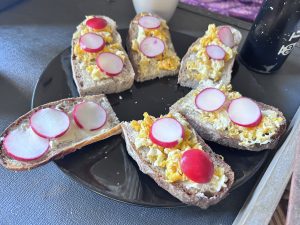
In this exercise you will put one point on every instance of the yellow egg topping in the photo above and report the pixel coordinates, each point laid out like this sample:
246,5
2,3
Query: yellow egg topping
168,60
88,59
201,65
261,134
169,158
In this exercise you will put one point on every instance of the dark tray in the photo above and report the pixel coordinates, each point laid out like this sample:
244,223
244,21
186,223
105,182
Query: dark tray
105,167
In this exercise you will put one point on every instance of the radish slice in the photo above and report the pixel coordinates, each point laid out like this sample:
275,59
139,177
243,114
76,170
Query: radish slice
25,145
215,52
49,123
149,22
89,116
166,132
244,112
91,42
226,37
97,23
110,63
152,46
197,165
210,99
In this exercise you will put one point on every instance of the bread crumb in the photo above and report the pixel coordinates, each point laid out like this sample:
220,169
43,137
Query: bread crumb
135,102
120,97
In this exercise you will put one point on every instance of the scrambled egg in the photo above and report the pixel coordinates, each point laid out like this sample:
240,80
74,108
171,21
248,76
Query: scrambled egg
167,61
202,66
261,134
87,59
169,158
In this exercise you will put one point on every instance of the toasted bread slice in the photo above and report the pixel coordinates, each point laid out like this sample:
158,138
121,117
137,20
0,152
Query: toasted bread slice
187,191
75,138
150,68
93,81
217,126
187,77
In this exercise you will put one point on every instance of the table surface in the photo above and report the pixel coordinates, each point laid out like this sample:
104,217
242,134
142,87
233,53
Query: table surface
31,34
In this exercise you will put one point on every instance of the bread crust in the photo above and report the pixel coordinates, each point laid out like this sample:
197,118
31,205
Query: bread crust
83,80
185,81
135,56
177,189
58,152
207,132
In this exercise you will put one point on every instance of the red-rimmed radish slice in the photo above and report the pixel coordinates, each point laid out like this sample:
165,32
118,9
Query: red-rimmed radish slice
166,132
109,63
244,112
152,46
89,116
215,52
49,123
91,42
197,165
25,145
96,23
225,36
210,99
149,22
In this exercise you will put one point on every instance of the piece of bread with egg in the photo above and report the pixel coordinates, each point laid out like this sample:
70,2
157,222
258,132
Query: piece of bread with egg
56,129
150,48
225,117
100,64
177,159
209,60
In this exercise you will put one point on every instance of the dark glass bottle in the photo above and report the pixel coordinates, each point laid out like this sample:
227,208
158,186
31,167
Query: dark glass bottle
273,35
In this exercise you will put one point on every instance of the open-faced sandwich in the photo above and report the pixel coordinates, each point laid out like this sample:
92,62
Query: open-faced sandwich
169,150
209,60
99,62
55,129
224,116
150,48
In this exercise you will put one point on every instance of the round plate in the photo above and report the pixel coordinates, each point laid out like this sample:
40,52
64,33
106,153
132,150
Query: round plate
105,167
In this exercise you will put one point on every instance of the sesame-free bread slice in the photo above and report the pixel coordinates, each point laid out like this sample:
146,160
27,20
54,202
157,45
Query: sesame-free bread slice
86,85
208,132
178,189
186,81
135,57
64,144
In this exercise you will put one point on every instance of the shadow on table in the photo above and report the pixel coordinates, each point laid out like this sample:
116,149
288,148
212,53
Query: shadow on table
9,4
57,12
13,102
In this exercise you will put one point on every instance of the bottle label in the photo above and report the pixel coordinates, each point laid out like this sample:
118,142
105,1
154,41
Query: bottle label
286,49
295,35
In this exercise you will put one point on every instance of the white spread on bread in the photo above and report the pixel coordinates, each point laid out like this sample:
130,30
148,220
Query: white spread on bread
200,66
168,159
74,133
219,120
168,60
87,60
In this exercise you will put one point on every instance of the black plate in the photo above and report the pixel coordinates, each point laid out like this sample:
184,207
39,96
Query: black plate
105,167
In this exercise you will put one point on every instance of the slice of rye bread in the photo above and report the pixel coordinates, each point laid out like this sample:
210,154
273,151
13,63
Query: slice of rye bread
178,189
83,80
208,132
65,145
135,56
186,81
